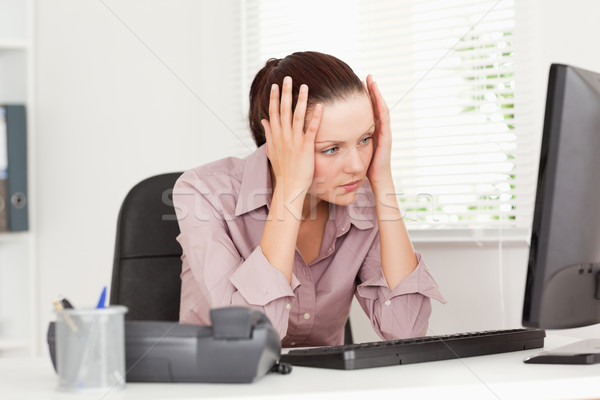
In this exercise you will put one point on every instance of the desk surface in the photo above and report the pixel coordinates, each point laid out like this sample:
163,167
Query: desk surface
499,376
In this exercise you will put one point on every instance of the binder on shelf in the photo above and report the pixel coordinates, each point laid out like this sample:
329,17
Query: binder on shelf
3,197
13,168
3,174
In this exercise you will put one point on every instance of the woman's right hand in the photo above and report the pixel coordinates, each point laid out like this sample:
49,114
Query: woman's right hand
290,149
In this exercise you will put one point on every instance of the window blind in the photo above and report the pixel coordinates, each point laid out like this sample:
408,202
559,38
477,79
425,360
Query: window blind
448,70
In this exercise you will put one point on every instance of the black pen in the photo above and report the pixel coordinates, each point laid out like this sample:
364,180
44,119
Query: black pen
65,303
59,307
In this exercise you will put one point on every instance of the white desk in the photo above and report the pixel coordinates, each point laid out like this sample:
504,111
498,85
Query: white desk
499,376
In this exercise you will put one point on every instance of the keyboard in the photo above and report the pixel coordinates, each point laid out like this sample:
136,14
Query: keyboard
416,350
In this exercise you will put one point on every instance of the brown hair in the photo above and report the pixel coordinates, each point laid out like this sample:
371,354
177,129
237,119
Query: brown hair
327,77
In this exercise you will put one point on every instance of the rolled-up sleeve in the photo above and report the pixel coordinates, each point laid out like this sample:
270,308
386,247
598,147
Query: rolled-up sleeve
214,274
404,311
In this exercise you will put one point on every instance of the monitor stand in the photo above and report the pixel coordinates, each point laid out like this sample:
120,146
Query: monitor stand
582,352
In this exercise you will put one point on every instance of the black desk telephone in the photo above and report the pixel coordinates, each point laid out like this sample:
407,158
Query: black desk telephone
240,346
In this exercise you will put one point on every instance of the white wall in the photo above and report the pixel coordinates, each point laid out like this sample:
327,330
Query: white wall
126,93
119,98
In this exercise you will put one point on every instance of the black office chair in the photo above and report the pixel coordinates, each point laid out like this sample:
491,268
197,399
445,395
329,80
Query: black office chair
147,264
147,260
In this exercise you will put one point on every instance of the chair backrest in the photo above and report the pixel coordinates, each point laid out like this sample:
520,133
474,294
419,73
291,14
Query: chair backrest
147,263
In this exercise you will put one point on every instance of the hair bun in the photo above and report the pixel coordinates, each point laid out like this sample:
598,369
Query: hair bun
272,62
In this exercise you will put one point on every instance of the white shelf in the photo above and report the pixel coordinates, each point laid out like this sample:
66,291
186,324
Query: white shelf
11,237
9,45
12,345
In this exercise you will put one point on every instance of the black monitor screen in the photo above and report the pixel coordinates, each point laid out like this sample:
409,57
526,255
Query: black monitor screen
563,277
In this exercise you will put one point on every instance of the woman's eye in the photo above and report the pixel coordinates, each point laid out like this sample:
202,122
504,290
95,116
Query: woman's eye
331,150
366,140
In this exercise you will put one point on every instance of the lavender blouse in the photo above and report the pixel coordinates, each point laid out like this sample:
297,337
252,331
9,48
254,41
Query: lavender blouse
222,208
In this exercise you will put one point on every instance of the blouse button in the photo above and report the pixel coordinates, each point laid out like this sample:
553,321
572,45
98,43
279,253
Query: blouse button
388,302
266,291
288,306
306,315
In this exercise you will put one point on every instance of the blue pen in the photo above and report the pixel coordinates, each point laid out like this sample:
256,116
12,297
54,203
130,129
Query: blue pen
102,299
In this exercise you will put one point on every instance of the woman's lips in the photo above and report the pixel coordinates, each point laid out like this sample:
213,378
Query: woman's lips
349,187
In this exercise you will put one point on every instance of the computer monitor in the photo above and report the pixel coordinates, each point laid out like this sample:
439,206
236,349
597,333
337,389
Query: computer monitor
563,275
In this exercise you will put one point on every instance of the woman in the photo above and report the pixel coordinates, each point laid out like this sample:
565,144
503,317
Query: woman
310,218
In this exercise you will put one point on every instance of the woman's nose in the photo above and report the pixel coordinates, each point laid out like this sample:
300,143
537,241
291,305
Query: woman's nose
352,161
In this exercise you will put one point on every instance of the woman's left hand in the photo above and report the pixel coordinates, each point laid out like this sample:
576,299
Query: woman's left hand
380,170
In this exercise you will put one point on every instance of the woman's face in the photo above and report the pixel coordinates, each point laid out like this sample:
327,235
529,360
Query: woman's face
343,149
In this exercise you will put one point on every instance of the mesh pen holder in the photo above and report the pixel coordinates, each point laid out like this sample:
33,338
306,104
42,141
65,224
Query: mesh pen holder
90,348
